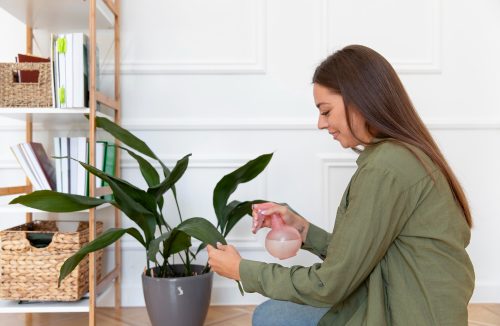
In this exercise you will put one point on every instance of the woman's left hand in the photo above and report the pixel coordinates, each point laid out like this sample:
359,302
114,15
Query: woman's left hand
225,260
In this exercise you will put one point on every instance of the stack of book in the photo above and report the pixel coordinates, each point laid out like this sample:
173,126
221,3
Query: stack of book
65,174
69,56
36,164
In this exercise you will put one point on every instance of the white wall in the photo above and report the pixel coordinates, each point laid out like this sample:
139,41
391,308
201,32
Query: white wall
230,79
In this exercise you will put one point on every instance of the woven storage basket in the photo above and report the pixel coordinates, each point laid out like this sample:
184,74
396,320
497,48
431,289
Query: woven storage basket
30,273
14,94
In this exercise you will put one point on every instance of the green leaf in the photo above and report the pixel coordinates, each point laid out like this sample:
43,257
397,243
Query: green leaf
52,201
234,215
201,247
101,242
178,242
223,220
177,172
152,179
154,246
166,173
147,170
131,200
166,170
125,136
134,142
228,184
201,229
173,242
137,194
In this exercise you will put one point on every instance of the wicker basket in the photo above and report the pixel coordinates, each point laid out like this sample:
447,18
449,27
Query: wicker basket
31,273
13,94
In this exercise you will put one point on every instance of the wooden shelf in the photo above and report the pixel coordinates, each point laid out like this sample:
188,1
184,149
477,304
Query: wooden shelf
44,307
58,15
48,114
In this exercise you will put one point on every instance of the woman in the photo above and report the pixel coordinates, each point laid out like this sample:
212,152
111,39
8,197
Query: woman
396,255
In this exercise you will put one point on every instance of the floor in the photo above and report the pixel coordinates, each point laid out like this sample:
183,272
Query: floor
479,315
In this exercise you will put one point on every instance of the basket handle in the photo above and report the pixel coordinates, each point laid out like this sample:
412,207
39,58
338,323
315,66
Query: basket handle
26,67
39,240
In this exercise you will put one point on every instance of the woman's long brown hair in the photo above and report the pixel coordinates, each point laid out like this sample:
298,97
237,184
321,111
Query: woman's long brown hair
368,83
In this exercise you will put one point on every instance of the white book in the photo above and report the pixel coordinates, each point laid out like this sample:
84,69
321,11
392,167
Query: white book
23,162
73,165
100,151
80,69
57,153
81,171
65,165
55,64
61,57
69,70
35,166
53,69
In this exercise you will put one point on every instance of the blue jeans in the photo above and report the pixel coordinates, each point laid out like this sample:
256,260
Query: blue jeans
286,313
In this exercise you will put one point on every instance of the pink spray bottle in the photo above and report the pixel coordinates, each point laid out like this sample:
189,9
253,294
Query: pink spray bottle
282,241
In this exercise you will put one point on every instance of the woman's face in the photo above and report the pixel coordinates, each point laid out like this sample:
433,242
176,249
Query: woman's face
332,116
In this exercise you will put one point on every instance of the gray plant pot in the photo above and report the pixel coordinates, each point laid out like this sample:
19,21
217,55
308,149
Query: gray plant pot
180,300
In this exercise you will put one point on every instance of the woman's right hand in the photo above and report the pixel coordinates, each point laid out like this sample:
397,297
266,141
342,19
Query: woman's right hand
262,213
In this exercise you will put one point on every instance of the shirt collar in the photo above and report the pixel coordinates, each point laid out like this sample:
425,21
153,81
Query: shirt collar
365,151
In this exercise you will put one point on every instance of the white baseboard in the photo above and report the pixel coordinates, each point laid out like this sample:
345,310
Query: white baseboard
228,294
486,293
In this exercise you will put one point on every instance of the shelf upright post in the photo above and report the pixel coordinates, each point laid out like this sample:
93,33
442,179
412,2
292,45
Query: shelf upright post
118,255
29,138
29,117
92,132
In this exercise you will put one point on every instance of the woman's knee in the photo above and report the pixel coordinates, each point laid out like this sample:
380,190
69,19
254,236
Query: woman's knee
262,313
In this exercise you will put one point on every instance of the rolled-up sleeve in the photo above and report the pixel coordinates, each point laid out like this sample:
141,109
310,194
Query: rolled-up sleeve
377,210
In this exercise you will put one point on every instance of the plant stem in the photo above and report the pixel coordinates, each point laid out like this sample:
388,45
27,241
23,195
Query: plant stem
187,263
178,209
206,269
166,224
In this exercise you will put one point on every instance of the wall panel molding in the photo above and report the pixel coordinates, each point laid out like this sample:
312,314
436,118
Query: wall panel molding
287,124
328,163
430,65
257,65
196,162
242,244
252,124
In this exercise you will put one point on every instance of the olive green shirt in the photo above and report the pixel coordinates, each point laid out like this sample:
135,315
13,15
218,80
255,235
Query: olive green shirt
396,255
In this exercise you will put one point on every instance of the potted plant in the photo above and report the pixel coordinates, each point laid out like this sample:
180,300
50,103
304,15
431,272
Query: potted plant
179,293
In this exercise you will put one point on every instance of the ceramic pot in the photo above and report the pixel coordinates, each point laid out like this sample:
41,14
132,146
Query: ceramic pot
179,300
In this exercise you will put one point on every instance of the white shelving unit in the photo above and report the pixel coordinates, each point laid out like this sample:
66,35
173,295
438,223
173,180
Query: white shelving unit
65,16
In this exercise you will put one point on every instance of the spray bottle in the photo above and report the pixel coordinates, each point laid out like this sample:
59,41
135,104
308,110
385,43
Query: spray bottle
282,241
